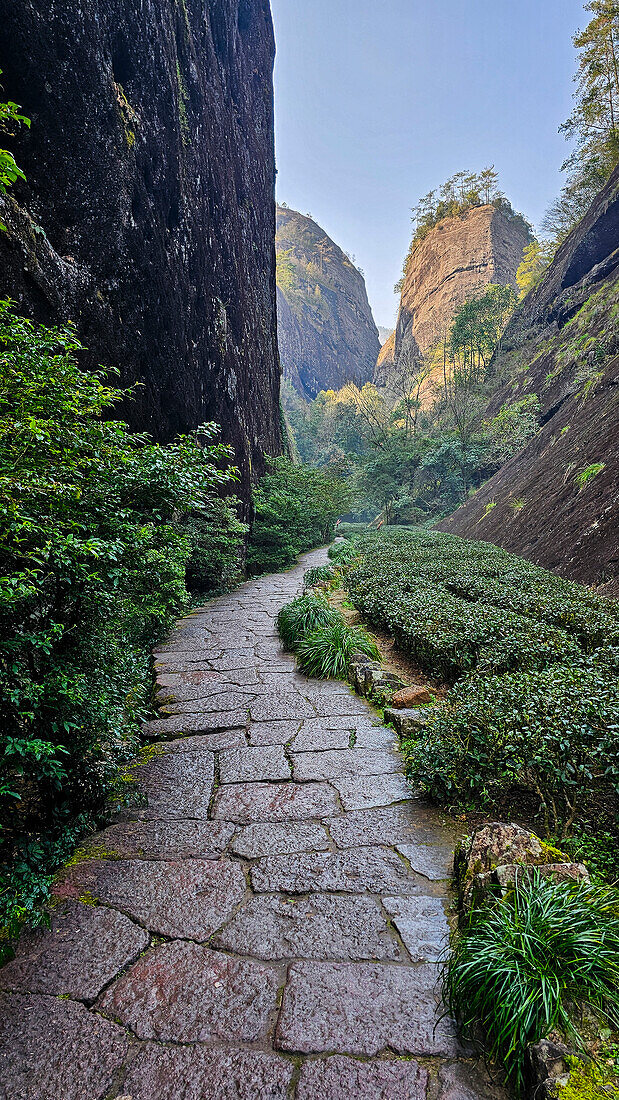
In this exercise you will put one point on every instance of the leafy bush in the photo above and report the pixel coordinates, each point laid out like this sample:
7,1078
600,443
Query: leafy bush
341,553
296,508
217,541
302,616
327,652
519,966
94,542
319,574
553,733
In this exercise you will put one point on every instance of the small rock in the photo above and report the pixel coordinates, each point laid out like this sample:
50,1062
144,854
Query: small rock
546,1067
412,696
492,846
505,876
407,721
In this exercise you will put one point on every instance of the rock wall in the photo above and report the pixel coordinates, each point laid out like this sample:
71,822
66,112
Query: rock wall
148,215
556,501
459,256
327,335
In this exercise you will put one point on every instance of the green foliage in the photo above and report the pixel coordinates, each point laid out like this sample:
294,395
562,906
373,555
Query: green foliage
94,542
296,508
586,475
552,733
319,574
10,171
342,553
304,615
327,651
217,546
520,965
513,426
535,259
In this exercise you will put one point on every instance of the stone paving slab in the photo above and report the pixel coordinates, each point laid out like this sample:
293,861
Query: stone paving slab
211,704
339,1078
189,898
194,723
430,860
166,838
315,927
290,704
272,733
203,742
185,993
333,764
77,956
355,870
253,764
361,792
404,823
274,838
315,735
56,1050
197,1073
177,785
422,924
249,802
363,1008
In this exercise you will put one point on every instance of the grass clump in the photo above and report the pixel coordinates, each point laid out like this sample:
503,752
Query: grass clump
304,616
327,652
519,966
319,574
342,553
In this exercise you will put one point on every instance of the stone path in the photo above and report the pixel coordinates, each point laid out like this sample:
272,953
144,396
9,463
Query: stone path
266,924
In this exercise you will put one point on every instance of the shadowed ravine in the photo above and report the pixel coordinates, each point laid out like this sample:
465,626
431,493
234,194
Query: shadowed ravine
268,924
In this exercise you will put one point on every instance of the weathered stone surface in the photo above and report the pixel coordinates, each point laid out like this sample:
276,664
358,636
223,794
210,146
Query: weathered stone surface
544,1063
492,845
196,1073
185,993
389,825
363,1008
467,1081
411,697
190,898
52,1049
407,721
272,733
340,1078
162,839
81,952
343,705
278,839
506,875
355,870
177,785
338,764
253,764
210,704
194,723
434,861
422,924
248,802
362,791
374,737
287,705
316,927
316,735
211,742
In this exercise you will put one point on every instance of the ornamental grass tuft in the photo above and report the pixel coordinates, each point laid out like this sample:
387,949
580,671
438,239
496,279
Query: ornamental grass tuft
302,616
521,964
327,652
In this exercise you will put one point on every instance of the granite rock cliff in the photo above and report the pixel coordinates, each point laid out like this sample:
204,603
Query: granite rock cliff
327,335
460,256
557,500
148,215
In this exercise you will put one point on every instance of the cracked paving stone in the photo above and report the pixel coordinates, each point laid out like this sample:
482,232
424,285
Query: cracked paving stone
354,870
53,1048
340,1078
431,860
186,993
221,690
316,736
422,924
189,898
202,742
162,839
248,765
363,1008
212,704
386,825
283,705
178,724
362,791
273,838
335,706
249,802
272,733
81,952
177,784
339,764
196,1073
466,1081
315,927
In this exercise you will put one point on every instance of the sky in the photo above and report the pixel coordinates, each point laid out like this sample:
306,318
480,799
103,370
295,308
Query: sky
379,101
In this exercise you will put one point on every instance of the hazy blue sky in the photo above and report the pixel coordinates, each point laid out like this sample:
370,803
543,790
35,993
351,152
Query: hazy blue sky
378,101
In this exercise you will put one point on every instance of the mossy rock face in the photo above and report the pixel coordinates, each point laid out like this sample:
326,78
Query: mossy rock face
493,845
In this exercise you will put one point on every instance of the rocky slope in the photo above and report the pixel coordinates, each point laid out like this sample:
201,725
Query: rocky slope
327,335
459,256
148,215
557,500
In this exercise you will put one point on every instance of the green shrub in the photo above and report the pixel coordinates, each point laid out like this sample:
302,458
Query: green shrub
93,548
553,733
341,553
217,540
302,616
296,508
319,574
327,651
520,965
